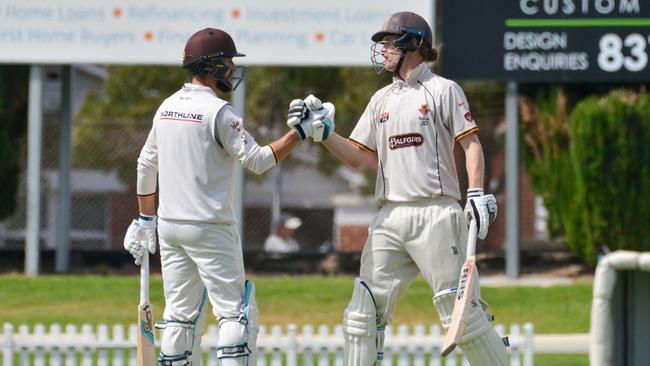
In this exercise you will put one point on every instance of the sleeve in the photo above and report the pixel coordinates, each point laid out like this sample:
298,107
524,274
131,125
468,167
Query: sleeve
148,166
458,116
364,133
240,144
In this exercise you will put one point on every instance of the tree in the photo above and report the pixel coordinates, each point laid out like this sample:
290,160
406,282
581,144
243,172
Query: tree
13,114
112,125
609,155
545,151
590,166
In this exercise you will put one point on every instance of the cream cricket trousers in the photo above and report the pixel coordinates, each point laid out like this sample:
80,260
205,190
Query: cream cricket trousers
428,237
200,262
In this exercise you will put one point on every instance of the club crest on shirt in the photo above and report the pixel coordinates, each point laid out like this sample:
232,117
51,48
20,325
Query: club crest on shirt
468,117
409,139
424,111
384,117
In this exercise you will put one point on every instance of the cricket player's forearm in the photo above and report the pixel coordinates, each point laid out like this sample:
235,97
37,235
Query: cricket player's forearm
283,146
147,204
348,152
475,164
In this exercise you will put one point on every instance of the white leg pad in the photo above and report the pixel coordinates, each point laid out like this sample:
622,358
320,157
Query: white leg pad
444,304
481,344
180,343
485,350
232,349
237,344
176,343
360,328
251,312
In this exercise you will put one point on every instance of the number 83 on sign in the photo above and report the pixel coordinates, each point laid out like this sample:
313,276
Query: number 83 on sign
612,57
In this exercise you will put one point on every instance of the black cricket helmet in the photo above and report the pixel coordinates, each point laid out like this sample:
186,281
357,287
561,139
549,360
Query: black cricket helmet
204,54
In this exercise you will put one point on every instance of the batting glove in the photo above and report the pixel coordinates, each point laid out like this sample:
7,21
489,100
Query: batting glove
298,112
148,225
481,209
140,237
311,118
323,116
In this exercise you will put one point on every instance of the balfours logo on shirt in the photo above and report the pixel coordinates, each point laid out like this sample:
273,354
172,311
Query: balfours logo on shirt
410,139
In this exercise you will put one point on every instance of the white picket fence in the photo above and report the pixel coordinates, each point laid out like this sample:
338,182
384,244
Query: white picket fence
405,346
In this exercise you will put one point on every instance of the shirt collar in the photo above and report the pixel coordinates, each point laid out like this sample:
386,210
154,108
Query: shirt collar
189,87
417,73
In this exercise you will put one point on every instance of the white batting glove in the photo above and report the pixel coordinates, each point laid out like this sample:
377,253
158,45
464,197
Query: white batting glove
148,225
482,209
311,118
140,237
298,112
323,118
132,243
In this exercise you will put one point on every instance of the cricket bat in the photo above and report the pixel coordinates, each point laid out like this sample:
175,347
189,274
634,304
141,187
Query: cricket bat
464,293
146,350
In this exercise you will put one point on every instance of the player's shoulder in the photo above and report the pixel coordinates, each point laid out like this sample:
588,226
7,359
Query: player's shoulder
446,88
173,96
441,81
381,93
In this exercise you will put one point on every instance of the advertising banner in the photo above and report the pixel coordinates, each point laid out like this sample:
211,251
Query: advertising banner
277,32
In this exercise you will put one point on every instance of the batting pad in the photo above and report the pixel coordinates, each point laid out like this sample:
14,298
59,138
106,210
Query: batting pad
176,343
238,336
181,341
481,344
444,304
360,328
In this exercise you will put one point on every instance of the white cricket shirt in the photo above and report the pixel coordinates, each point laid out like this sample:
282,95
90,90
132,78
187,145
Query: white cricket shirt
412,126
193,145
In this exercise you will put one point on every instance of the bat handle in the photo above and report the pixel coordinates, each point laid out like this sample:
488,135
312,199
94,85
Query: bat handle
144,278
471,238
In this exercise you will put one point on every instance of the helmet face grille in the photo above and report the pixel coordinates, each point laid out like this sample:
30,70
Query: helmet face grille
377,59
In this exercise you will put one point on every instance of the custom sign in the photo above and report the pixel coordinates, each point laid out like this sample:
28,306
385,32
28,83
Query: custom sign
277,32
546,40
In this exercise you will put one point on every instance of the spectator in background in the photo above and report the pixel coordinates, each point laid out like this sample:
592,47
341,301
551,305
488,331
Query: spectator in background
281,239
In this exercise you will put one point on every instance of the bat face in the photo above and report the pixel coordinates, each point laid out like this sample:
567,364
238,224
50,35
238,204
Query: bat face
146,351
462,304
466,274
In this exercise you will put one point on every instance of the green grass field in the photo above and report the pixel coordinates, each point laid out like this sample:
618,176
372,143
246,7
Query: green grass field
282,299
286,299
